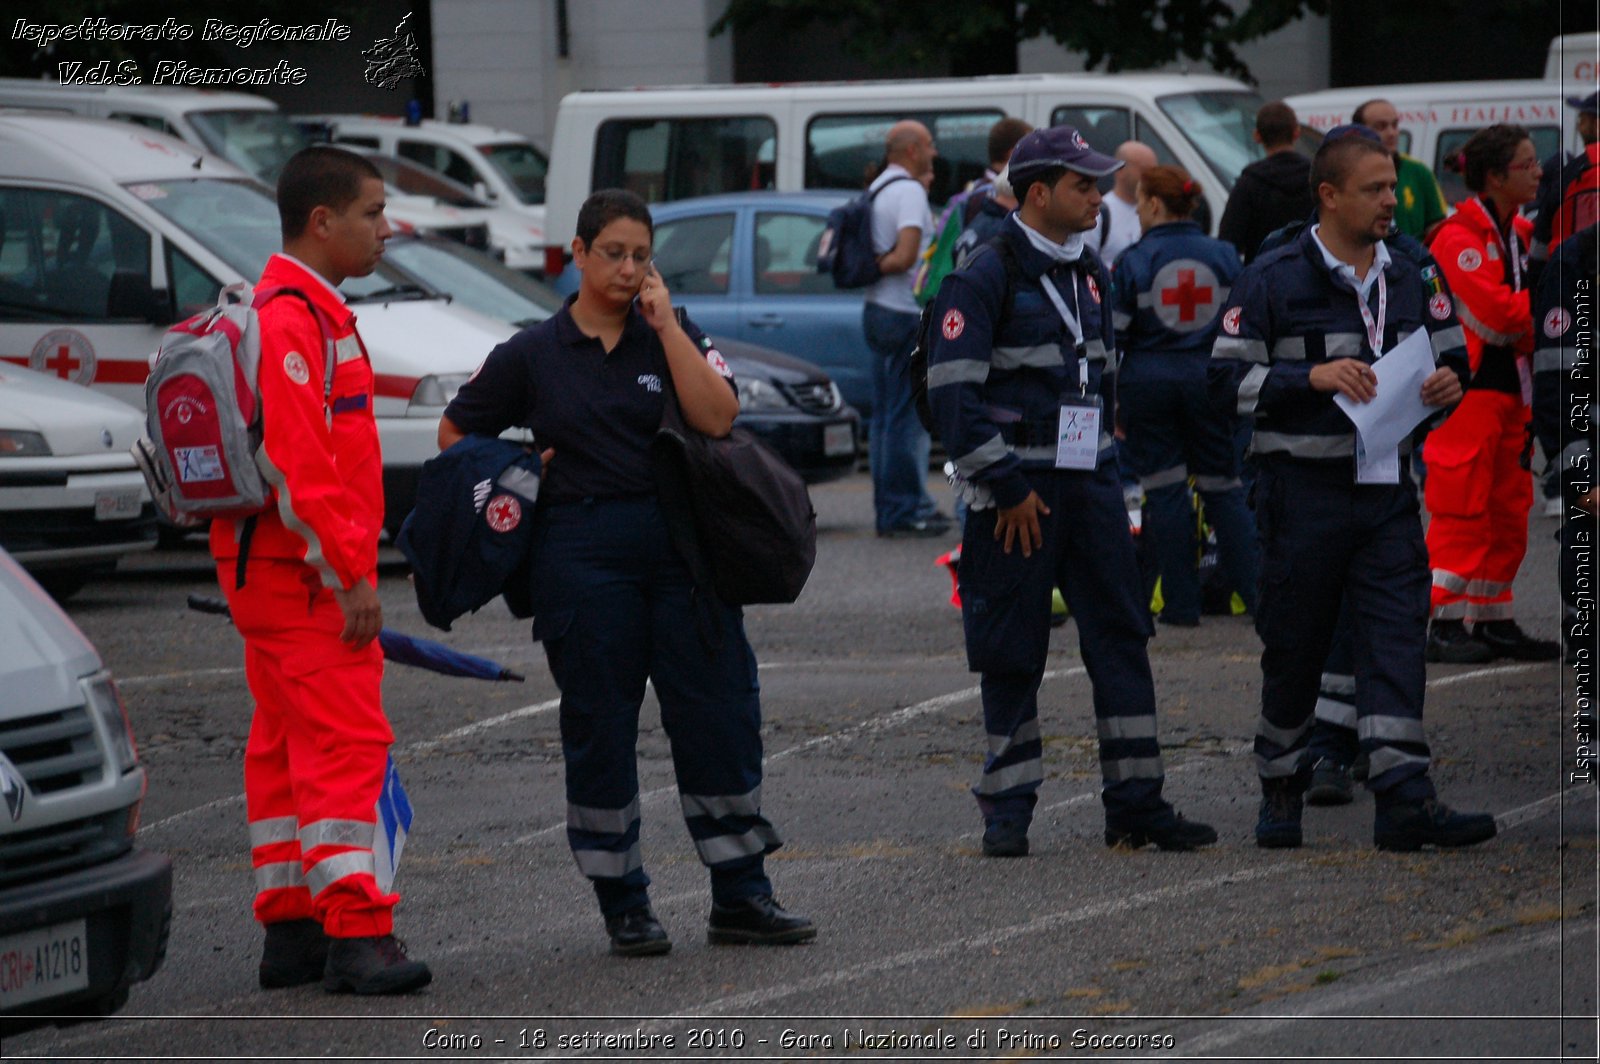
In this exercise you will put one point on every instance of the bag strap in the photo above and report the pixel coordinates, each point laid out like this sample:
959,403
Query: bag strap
683,528
872,193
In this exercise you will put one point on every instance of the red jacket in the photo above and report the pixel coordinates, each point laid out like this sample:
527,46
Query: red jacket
1494,313
323,462
1580,201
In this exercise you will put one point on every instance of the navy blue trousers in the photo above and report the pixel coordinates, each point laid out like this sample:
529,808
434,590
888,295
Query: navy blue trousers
1088,552
1328,542
614,605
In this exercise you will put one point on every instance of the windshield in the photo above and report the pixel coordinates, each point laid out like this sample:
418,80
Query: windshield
521,164
475,280
258,142
238,223
415,180
1221,126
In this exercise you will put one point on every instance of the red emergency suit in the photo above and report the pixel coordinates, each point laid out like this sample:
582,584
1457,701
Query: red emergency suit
1478,491
318,747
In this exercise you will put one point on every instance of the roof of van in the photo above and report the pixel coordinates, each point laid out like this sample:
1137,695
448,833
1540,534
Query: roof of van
185,99
1512,88
471,132
51,146
1156,83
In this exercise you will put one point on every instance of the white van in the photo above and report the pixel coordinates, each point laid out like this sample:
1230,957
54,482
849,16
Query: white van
501,167
246,130
674,143
1574,61
1437,118
111,233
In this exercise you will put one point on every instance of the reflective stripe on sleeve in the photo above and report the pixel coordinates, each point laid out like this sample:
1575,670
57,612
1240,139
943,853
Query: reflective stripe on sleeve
957,371
1305,446
1239,347
1250,389
982,457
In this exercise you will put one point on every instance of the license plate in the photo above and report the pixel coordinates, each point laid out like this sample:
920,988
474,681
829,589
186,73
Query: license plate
36,965
117,505
838,439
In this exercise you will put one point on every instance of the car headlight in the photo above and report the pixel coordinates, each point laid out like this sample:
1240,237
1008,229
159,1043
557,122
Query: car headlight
106,704
438,390
14,443
756,394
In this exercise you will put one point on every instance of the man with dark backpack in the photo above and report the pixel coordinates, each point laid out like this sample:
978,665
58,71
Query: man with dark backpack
305,600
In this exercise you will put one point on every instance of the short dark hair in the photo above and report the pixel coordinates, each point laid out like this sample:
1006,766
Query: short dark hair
1336,158
605,207
1359,117
319,176
1003,136
1048,176
1276,123
1489,151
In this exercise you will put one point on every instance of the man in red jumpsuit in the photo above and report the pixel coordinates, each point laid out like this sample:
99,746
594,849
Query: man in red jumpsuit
301,580
1479,489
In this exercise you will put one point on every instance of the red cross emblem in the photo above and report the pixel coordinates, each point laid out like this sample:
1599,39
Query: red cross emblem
503,513
1186,295
64,353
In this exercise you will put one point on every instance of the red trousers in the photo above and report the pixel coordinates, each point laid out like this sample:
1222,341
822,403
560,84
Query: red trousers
1478,496
318,748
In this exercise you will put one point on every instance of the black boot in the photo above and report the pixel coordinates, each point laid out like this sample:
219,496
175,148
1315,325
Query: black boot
295,953
757,921
1408,826
1282,802
1451,643
1005,838
1508,640
637,933
1163,826
376,964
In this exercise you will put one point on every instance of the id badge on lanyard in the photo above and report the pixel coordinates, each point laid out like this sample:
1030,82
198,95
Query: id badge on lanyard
1380,469
1078,430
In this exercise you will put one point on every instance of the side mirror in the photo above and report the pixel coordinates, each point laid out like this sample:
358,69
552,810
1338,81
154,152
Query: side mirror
484,192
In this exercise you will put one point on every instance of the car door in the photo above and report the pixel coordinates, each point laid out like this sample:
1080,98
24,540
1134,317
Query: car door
698,256
794,309
77,298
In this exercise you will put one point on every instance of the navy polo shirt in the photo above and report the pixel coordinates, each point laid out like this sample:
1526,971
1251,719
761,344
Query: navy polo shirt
599,410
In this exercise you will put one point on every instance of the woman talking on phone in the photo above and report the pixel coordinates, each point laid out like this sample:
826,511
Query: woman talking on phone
614,604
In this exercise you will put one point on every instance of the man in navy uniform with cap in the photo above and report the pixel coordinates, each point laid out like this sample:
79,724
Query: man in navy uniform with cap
1021,386
1305,322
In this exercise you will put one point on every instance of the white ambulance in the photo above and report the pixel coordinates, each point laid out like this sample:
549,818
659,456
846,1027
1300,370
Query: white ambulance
674,143
109,233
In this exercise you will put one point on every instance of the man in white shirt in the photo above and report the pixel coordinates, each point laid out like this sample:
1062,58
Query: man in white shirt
902,225
1120,207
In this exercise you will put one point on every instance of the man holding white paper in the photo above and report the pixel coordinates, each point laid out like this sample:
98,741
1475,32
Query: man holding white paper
1301,343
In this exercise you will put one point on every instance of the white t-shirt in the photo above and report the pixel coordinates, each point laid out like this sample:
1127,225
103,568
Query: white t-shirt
903,205
1124,232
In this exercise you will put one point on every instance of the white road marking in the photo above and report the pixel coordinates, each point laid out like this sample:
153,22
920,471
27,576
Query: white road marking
159,677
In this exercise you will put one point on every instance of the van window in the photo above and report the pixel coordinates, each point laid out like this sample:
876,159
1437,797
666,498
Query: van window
1220,125
451,164
666,159
70,257
359,142
692,254
1103,127
234,220
1546,142
786,254
846,151
155,122
258,142
522,165
193,289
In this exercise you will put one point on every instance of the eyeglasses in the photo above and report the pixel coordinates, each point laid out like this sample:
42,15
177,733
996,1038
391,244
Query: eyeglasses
1529,165
613,256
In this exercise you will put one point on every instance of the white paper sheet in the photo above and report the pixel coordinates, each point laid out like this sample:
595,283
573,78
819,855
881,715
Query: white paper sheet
1396,409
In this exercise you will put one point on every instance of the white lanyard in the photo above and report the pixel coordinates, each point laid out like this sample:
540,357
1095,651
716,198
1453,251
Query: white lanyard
1074,327
1375,325
1514,252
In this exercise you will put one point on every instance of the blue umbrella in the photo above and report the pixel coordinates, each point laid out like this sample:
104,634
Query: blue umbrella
404,649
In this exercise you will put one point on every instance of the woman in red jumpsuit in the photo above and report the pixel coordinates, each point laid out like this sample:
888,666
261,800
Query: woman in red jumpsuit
1479,489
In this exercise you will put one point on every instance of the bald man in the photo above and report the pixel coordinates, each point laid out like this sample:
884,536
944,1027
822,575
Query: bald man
1118,225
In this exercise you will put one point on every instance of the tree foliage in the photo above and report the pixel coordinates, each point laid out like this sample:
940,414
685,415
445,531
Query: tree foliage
1115,34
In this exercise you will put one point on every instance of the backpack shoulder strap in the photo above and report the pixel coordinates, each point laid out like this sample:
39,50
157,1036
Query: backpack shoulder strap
1013,268
872,193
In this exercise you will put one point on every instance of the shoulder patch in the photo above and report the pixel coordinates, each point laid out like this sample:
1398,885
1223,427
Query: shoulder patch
1094,288
1439,306
718,363
1230,321
1557,322
1469,259
503,513
295,368
953,325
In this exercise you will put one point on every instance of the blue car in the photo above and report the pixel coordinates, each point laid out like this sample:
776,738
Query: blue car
744,265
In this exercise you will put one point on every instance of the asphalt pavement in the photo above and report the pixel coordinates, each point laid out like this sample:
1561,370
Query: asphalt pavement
926,950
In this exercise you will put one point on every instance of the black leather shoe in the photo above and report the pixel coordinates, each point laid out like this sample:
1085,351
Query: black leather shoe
928,529
1330,783
1450,642
296,952
1282,802
1163,826
374,965
1408,826
637,933
1508,640
757,921
1005,838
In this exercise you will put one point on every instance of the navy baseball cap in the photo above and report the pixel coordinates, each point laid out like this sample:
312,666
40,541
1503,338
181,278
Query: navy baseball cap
1058,146
1351,129
1585,105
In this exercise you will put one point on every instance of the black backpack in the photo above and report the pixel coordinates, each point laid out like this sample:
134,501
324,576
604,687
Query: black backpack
919,354
845,249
